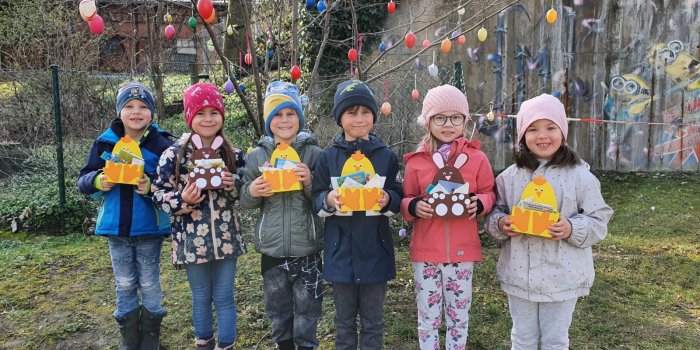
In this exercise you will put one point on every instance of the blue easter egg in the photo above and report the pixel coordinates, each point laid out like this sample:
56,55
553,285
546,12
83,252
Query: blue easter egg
310,4
321,6
382,47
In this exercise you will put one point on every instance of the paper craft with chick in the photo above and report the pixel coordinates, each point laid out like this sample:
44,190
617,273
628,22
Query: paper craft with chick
280,172
125,165
536,210
359,186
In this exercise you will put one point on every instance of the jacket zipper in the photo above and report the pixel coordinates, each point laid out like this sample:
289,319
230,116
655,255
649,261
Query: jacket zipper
313,227
262,220
286,238
447,233
211,222
101,215
157,215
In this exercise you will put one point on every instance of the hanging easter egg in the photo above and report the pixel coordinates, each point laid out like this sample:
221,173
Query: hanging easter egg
552,16
96,24
87,9
426,43
241,87
229,87
229,30
391,6
310,4
454,34
295,72
461,10
168,18
169,32
433,70
415,94
248,59
382,47
211,18
205,8
321,6
352,55
461,40
482,34
446,46
192,23
490,116
386,109
270,53
410,39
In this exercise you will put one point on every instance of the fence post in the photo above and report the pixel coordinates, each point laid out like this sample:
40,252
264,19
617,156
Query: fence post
59,144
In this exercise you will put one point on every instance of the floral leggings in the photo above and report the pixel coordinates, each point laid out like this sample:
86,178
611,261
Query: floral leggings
448,284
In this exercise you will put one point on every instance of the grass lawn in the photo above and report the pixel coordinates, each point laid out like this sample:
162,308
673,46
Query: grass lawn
57,292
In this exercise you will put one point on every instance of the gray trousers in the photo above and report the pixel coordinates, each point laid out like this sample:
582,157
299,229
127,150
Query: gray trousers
545,321
292,308
368,301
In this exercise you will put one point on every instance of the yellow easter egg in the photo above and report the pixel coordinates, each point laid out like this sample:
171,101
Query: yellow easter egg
552,15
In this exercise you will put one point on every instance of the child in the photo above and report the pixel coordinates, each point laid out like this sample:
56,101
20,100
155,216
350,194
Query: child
205,228
133,227
443,250
543,277
358,248
289,237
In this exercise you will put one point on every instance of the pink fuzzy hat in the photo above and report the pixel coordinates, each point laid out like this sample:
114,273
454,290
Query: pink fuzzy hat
199,96
541,107
442,99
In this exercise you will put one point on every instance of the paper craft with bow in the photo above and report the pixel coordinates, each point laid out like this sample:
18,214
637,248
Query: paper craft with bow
125,165
448,194
536,210
280,172
208,168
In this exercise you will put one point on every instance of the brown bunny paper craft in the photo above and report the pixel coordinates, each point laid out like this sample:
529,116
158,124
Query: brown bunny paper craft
448,194
208,167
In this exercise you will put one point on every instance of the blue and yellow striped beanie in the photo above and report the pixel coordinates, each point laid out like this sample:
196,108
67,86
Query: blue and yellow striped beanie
281,95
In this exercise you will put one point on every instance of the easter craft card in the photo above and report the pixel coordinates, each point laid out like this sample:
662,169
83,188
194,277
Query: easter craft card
448,194
360,188
279,172
125,164
208,169
536,210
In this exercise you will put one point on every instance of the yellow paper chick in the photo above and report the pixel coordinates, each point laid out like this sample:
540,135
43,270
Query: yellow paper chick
286,152
121,172
539,193
282,180
357,162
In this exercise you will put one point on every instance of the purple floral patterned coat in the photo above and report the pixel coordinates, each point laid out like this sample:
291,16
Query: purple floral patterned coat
204,232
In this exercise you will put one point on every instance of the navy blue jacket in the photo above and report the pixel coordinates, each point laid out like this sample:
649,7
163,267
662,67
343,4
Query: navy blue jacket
124,212
357,248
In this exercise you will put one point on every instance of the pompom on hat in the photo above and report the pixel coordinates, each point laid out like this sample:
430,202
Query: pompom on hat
442,99
541,107
281,95
135,90
200,96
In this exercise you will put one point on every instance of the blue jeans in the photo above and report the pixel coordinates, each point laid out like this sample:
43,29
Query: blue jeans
213,282
136,266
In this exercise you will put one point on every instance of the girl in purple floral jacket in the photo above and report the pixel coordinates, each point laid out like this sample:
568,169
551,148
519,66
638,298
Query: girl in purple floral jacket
206,237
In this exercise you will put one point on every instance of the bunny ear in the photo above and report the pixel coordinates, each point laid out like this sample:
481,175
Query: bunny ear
437,159
218,141
196,140
461,160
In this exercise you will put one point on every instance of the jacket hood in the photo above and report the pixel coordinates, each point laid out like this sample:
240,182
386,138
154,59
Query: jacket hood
367,147
304,138
459,145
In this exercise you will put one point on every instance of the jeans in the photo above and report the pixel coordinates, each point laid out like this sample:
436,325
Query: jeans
136,266
213,282
368,300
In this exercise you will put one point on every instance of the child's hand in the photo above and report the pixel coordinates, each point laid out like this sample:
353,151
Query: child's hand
260,188
424,210
333,200
473,206
106,185
504,225
560,230
384,200
142,185
228,180
302,170
192,194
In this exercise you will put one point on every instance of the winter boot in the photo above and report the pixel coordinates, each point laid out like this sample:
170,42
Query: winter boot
205,344
129,329
150,329
286,345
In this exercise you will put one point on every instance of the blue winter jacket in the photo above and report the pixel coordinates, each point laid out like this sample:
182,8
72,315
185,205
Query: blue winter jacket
124,212
358,248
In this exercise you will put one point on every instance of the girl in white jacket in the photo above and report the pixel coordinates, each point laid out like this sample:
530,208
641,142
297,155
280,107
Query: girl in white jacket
544,276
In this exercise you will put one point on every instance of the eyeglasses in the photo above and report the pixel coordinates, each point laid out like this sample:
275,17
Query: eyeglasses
455,119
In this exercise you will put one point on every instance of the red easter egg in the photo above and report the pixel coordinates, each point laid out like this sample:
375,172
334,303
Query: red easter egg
169,32
461,40
426,43
391,6
352,55
295,72
96,24
205,8
248,59
410,39
386,108
415,94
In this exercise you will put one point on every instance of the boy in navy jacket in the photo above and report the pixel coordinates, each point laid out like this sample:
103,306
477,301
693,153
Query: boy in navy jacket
358,248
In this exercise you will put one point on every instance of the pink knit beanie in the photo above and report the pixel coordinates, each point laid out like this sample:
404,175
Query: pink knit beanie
200,96
541,107
442,99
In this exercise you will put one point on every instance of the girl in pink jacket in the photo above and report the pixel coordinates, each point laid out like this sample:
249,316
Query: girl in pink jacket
448,182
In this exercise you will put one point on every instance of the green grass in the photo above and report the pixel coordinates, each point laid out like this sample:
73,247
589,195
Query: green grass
57,292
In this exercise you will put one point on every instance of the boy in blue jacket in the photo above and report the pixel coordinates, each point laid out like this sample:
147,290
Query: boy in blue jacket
358,248
129,219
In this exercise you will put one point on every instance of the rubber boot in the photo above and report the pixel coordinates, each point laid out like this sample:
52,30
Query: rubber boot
286,345
150,329
129,329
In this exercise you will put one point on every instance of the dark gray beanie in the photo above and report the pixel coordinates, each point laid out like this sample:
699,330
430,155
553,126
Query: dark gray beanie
352,93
